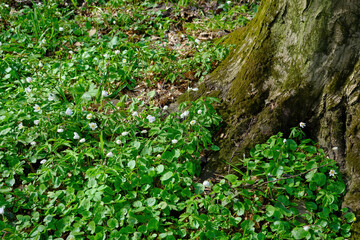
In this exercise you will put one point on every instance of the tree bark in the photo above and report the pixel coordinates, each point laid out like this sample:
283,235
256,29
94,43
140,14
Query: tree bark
296,61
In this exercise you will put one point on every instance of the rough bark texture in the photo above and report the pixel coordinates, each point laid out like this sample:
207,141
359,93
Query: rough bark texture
298,60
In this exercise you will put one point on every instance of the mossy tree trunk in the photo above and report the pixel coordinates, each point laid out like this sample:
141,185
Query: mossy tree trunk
297,61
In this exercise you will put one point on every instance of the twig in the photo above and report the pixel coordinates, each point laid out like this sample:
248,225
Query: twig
247,131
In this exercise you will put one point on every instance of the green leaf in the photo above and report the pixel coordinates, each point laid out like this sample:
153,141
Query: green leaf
112,223
319,179
153,224
132,164
231,178
166,176
270,210
311,206
299,233
160,168
150,202
199,188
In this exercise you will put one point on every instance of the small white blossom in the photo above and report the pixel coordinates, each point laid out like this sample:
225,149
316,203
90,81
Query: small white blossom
192,122
228,2
2,210
151,118
89,116
36,122
82,140
165,107
43,40
114,22
284,141
174,141
144,131
206,184
27,90
37,108
199,111
93,126
158,156
106,56
110,154
135,114
124,60
184,114
306,228
68,112
117,52
40,64
104,93
118,142
332,173
335,148
43,161
28,79
60,130
302,124
51,97
20,126
71,52
124,133
61,29
33,143
198,41
76,135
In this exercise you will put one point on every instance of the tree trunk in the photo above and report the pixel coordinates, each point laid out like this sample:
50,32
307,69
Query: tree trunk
296,61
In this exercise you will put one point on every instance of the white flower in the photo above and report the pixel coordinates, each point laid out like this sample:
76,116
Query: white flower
20,126
37,108
206,184
124,60
33,143
184,114
165,107
76,135
158,156
43,161
89,116
125,133
332,173
40,64
110,154
197,41
335,148
93,126
306,228
144,131
135,114
199,111
117,52
27,90
2,210
68,112
151,118
43,40
71,52
106,56
51,97
61,29
82,140
104,93
192,122
114,22
36,122
118,142
284,141
174,141
228,2
302,124
28,79
193,89
60,130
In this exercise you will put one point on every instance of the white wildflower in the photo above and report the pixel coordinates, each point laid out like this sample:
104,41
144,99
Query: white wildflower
198,41
61,29
174,141
184,114
144,131
117,52
76,135
306,228
29,79
332,173
151,118
40,64
27,90
135,114
104,93
106,56
165,107
43,161
206,184
228,2
71,52
33,143
89,116
124,60
36,122
51,97
20,126
199,111
110,154
60,130
68,112
335,148
284,141
118,142
124,133
82,140
302,124
192,122
37,108
43,40
2,210
93,126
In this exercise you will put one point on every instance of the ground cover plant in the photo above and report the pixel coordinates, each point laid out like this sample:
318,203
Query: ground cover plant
90,149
